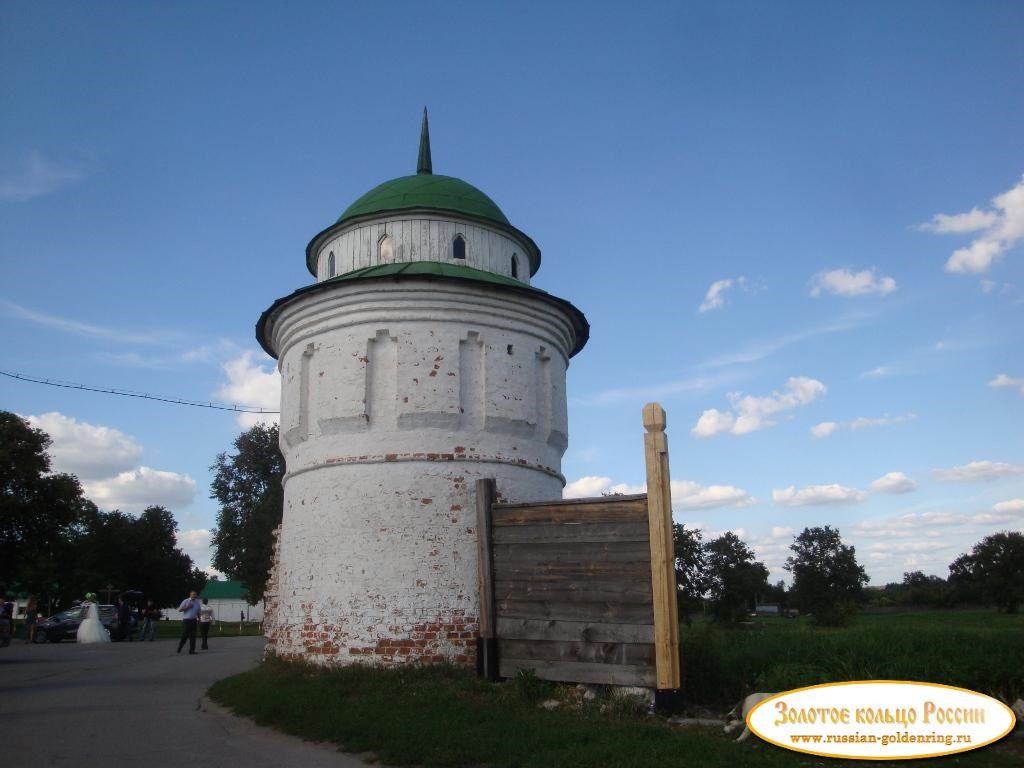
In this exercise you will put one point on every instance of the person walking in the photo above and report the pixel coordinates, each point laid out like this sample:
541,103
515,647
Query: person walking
124,619
189,608
205,620
150,616
31,616
6,621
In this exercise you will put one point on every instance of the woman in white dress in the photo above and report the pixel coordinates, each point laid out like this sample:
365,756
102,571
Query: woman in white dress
91,630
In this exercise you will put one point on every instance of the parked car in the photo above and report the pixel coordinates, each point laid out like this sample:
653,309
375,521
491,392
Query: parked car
64,625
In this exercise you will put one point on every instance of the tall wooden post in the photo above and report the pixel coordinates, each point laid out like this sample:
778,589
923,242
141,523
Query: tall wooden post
663,572
487,643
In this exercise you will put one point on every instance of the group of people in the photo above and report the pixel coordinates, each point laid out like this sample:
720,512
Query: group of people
7,620
91,629
197,617
192,613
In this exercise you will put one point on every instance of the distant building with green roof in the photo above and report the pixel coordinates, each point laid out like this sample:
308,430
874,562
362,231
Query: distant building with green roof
230,601
419,360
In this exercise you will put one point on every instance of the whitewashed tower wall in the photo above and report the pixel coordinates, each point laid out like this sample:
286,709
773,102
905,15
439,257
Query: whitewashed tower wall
408,374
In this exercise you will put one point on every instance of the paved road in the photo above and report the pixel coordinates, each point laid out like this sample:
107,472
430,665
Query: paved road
140,703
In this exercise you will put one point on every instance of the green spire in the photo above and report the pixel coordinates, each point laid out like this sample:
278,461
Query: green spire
423,163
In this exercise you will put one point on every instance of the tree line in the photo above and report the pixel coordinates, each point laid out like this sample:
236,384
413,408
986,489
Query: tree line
721,577
56,544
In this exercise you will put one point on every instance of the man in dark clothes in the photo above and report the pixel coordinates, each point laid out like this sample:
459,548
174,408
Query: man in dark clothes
124,619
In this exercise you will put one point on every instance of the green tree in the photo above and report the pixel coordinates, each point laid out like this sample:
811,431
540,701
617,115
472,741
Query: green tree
920,590
994,570
691,569
247,485
138,553
734,578
827,580
41,514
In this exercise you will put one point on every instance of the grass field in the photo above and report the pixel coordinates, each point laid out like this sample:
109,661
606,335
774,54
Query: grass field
442,716
167,630
977,649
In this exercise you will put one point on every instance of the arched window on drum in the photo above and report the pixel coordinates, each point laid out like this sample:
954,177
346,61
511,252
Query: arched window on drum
385,249
459,247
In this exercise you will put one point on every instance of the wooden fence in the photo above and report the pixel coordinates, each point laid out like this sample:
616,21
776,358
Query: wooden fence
582,590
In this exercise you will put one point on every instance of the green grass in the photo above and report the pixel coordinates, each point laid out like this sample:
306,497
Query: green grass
171,630
981,650
442,716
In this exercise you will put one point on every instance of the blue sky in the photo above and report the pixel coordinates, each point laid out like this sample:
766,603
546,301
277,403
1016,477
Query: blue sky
798,226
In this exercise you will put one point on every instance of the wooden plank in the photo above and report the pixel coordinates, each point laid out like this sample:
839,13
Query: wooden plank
485,494
580,672
524,553
569,502
585,532
596,590
663,577
574,610
583,631
556,573
630,654
610,510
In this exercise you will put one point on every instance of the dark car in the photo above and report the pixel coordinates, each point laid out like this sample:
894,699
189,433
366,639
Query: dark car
64,625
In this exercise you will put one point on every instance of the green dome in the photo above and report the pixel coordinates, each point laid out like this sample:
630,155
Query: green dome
426,190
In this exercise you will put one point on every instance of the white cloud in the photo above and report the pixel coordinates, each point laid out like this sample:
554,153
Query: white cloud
196,544
893,482
710,534
1002,381
958,223
715,297
750,413
87,330
828,428
759,349
863,422
1015,506
658,391
842,282
37,176
713,422
137,489
814,495
764,348
1003,512
978,471
595,485
687,494
910,524
876,373
891,547
86,450
249,384
585,487
825,428
999,228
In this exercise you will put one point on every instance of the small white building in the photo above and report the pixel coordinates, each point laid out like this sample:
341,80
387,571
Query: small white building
229,601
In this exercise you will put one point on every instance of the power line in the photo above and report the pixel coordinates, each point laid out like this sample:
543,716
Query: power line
140,395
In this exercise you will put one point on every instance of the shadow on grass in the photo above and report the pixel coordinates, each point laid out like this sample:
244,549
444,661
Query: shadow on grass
443,716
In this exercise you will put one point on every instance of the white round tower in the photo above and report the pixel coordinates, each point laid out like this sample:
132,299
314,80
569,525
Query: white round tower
420,360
